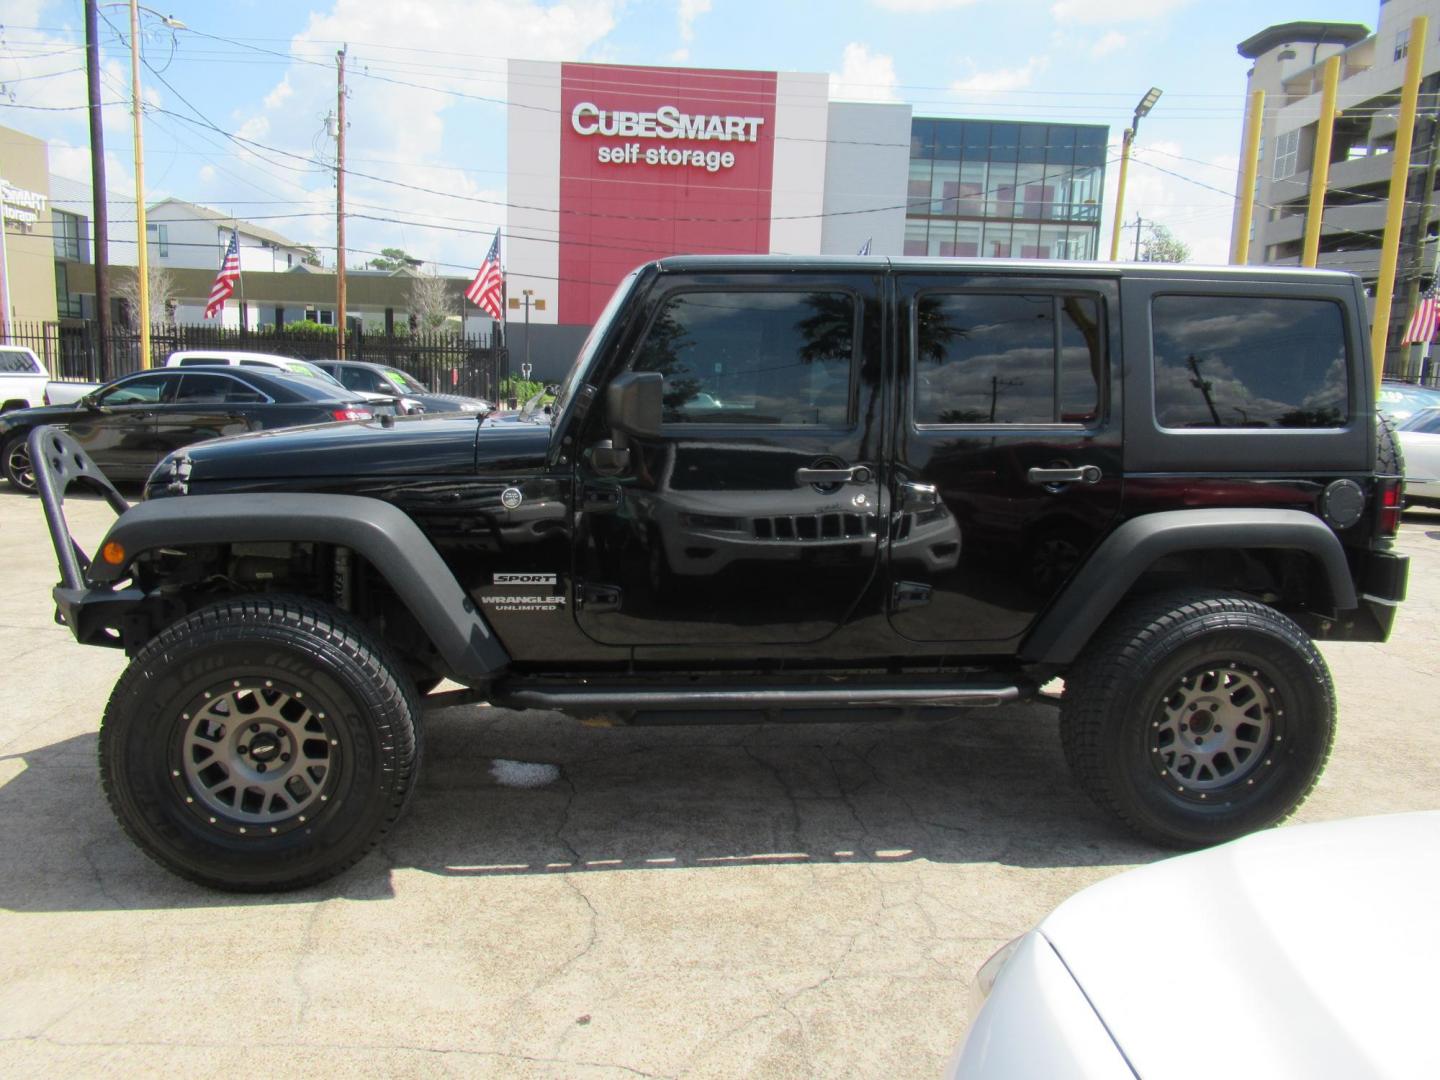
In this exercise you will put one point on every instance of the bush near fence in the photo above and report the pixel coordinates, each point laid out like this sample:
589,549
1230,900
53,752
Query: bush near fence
446,363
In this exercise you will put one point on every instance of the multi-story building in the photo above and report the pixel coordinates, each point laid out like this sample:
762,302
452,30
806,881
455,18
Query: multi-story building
1289,61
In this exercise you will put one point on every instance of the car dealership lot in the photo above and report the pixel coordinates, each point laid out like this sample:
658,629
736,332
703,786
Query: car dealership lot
780,901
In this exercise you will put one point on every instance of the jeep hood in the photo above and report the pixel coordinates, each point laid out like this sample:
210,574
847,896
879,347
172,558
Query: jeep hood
418,446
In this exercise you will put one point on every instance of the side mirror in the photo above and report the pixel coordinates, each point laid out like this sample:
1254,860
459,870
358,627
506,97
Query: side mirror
633,401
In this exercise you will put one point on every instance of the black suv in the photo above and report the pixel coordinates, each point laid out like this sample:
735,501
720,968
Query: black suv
775,488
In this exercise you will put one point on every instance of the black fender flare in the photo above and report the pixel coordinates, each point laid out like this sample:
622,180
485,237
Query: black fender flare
1134,547
381,532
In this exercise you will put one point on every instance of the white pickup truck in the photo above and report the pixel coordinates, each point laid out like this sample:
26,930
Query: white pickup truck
24,382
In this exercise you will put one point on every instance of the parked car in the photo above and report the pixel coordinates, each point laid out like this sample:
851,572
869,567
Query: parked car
391,381
1308,953
902,484
290,365
1420,441
1400,400
24,382
129,425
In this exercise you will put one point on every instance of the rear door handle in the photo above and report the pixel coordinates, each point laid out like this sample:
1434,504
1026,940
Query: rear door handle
858,474
1087,474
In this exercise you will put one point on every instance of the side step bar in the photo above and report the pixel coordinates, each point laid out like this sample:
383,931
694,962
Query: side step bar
835,695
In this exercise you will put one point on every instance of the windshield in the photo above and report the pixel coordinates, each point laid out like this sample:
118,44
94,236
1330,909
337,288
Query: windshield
576,378
404,381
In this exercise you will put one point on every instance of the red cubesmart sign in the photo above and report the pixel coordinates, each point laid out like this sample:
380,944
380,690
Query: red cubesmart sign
657,162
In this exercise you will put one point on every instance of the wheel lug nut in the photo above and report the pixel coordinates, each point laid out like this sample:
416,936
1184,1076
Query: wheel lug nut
259,768
284,757
1214,708
255,729
243,749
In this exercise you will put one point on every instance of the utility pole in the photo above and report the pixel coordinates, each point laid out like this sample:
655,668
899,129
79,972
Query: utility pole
142,270
100,206
1139,224
1240,242
340,207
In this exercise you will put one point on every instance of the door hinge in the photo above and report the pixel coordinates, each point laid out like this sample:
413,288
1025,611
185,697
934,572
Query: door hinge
909,594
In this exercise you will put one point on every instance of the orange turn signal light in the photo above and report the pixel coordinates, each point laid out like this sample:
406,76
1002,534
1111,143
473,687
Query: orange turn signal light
113,553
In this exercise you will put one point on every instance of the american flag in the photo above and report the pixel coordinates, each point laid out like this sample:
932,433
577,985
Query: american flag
865,247
225,281
484,291
1422,323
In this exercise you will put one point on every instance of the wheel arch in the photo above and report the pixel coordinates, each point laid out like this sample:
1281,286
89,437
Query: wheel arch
380,533
1124,559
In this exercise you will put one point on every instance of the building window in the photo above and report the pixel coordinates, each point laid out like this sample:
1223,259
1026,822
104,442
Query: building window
1287,154
1402,44
159,235
67,304
323,316
68,244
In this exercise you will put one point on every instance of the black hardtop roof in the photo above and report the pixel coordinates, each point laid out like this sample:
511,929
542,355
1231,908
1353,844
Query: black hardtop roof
717,264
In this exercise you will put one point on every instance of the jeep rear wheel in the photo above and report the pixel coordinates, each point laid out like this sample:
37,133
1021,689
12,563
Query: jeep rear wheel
1196,718
260,744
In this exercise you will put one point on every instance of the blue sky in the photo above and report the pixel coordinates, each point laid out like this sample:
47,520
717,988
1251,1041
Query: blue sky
428,76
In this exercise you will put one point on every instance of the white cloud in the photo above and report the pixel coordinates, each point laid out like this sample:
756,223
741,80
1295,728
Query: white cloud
207,174
1197,215
1001,79
1100,12
864,76
1108,43
688,12
282,93
254,129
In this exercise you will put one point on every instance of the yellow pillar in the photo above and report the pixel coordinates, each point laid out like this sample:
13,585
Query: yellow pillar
1320,170
1399,173
1254,118
1125,144
143,267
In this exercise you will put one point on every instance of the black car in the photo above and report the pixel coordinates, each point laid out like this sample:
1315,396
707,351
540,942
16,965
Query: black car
128,425
784,489
384,379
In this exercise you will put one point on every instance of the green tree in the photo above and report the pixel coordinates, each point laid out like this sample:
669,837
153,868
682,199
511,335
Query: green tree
392,259
1163,246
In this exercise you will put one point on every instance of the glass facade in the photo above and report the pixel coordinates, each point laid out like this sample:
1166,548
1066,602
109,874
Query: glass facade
993,189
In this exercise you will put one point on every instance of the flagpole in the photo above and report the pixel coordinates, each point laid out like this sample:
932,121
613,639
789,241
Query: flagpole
239,270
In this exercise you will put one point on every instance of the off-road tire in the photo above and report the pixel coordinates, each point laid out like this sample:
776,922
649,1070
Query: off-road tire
358,722
1128,686
19,471
1389,457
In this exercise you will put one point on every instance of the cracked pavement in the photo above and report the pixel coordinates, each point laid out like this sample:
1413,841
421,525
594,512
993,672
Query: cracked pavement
698,902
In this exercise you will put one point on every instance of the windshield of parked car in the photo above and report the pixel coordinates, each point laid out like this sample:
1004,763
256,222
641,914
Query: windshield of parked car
18,360
407,383
576,377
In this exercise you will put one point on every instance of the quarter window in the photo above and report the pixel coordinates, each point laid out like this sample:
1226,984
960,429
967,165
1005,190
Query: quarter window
1249,362
754,357
988,358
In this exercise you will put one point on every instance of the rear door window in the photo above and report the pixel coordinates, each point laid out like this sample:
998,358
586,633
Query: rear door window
994,358
13,361
1249,362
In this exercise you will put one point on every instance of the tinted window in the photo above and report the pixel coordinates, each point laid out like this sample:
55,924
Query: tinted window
12,360
1249,362
196,388
986,358
753,357
144,390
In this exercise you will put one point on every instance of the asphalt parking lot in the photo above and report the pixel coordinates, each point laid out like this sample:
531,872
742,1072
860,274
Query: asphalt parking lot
780,901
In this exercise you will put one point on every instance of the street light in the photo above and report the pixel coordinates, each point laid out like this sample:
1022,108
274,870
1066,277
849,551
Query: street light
1143,109
143,260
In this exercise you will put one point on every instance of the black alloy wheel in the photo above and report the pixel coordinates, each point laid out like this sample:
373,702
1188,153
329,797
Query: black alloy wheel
19,470
261,744
1197,717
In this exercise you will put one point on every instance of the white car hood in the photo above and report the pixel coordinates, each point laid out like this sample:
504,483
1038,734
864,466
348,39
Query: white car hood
1311,951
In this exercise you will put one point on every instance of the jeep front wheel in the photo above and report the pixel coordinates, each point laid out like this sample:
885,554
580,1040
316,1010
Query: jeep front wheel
18,468
260,744
1196,718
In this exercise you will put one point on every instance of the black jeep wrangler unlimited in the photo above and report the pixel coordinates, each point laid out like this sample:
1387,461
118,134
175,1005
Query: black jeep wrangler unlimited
774,488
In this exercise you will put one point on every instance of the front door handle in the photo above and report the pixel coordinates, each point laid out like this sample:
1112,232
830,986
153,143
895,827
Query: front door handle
858,474
1087,474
